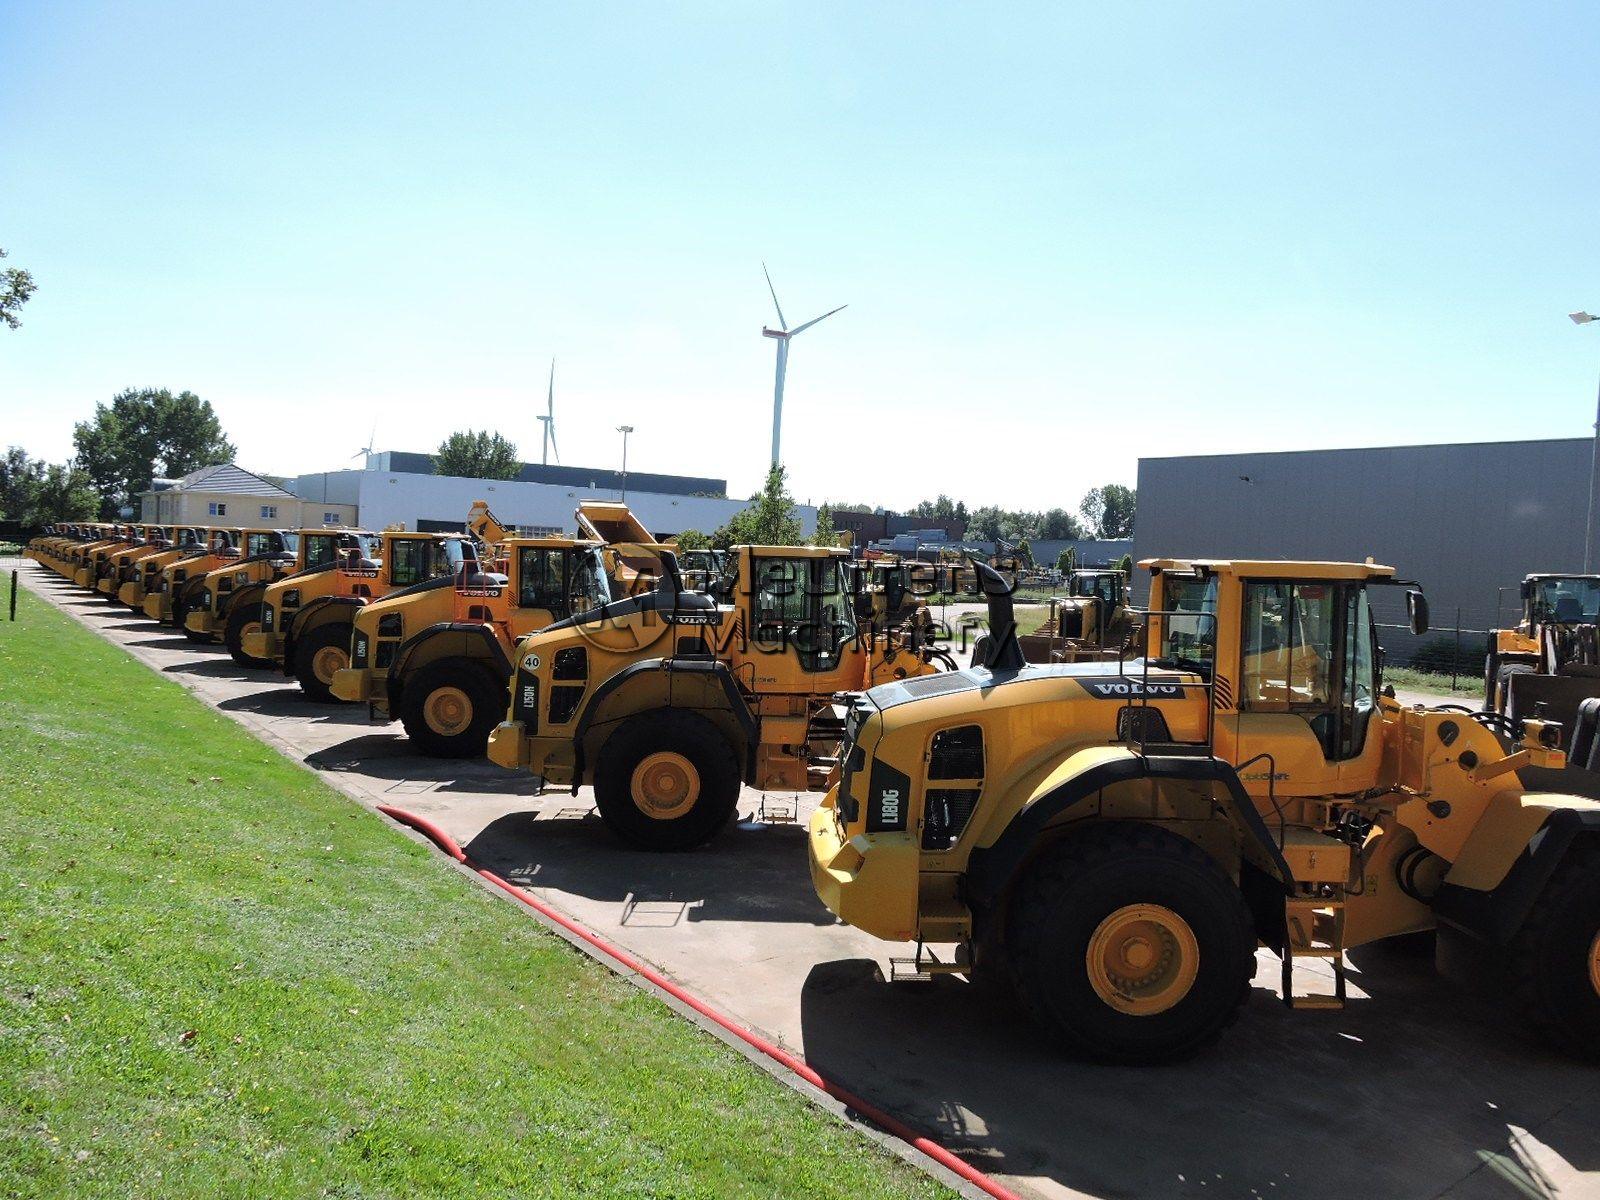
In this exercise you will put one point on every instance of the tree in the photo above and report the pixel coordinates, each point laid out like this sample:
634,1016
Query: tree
1059,525
35,493
1125,565
477,455
1067,561
16,289
1025,552
769,521
825,535
1109,510
143,432
693,539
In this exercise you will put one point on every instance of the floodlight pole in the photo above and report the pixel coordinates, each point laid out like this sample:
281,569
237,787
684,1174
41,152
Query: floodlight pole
1583,318
624,430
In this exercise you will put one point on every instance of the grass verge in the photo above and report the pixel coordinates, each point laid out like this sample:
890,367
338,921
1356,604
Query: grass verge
1408,680
219,977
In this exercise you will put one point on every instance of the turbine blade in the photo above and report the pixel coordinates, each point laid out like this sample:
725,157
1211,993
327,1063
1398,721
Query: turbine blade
554,449
814,320
550,402
782,324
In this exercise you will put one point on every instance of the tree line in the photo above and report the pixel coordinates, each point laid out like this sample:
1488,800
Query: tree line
1104,512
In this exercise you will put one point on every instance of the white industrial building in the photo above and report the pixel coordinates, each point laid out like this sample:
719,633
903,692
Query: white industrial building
379,498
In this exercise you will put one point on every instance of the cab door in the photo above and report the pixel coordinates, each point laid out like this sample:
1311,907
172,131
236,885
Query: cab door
802,625
1307,688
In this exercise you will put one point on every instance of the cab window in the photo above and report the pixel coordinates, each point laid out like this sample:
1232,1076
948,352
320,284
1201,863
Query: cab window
553,579
1308,650
806,603
1189,634
259,543
320,549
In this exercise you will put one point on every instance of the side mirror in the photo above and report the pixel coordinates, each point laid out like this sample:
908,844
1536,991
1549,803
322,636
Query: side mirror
1417,611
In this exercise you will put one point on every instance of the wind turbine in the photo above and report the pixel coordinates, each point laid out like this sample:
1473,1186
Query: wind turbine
372,440
549,420
782,334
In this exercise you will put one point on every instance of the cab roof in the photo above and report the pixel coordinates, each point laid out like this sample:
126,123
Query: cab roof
553,543
1270,568
1559,575
797,551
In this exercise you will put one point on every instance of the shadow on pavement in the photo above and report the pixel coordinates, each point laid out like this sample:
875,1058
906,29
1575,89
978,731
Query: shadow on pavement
390,756
286,700
1412,1089
751,872
213,668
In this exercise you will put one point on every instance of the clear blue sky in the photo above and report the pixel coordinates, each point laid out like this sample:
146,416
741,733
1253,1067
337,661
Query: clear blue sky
1067,236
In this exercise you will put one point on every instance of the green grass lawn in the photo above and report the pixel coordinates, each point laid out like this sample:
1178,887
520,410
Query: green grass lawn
218,977
1408,680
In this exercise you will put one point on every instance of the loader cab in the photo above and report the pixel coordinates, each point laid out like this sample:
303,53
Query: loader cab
1560,600
798,610
553,579
1109,587
1289,651
421,557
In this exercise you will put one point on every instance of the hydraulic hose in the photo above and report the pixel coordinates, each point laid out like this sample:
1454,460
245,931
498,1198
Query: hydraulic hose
773,1051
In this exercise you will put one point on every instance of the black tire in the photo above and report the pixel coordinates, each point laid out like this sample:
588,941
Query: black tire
1491,678
688,735
1503,686
1072,888
334,635
487,701
244,617
181,603
1554,979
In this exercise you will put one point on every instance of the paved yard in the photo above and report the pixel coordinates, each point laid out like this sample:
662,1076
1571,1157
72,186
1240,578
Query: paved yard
1413,1091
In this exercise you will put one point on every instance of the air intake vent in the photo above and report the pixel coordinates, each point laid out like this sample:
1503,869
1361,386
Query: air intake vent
946,812
571,662
957,753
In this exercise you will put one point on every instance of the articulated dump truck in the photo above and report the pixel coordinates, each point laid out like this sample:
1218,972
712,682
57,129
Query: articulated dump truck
1112,841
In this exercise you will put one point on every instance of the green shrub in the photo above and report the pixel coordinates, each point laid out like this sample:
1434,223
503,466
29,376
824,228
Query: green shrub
1438,654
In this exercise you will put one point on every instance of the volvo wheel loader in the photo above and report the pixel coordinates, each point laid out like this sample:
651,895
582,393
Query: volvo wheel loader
306,619
1550,662
437,656
143,576
666,700
1092,622
265,555
169,595
1113,840
124,564
88,559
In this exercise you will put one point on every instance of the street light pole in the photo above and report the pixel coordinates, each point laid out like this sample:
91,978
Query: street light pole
625,430
1583,318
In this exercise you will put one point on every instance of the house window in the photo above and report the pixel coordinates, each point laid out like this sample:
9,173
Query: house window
269,512
217,510
330,518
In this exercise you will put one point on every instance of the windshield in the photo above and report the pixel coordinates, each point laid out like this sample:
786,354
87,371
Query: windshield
1566,601
807,603
561,581
418,559
1189,638
291,542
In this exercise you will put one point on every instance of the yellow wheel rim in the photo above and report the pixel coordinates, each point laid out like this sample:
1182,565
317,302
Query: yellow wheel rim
249,628
1143,959
328,662
1594,963
448,711
665,785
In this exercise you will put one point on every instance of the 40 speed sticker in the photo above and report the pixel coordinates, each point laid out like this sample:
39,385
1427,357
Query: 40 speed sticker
1121,689
530,662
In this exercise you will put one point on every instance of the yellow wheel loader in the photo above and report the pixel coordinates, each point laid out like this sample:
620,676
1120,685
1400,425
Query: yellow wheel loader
437,656
306,619
240,595
1550,662
1092,621
666,700
168,596
257,551
1112,840
88,559
143,575
123,565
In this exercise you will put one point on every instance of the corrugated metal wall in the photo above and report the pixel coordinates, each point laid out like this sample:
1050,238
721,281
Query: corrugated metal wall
1464,519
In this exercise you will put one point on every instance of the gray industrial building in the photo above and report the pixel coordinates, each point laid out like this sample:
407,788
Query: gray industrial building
1466,520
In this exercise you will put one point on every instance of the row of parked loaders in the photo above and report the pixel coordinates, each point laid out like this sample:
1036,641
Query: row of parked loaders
1109,839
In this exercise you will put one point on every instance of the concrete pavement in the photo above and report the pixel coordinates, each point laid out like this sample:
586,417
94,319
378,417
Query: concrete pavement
1413,1091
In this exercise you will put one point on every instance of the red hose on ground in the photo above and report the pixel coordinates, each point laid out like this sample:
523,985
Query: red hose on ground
777,1053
